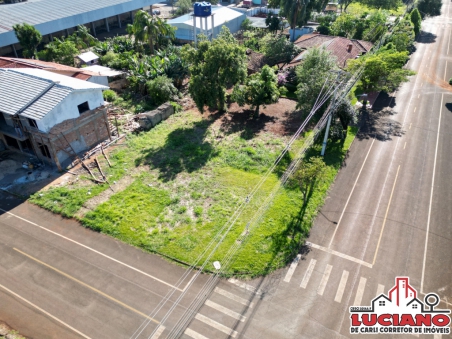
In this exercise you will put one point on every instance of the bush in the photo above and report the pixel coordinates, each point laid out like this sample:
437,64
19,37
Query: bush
109,95
161,89
450,81
108,58
177,108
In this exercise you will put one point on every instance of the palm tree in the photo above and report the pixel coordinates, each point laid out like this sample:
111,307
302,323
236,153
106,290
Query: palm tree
149,27
293,9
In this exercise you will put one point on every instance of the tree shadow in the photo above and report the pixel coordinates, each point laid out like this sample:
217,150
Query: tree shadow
185,150
244,121
449,107
426,37
295,119
377,122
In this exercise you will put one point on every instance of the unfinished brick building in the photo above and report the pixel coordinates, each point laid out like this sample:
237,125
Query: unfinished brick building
51,116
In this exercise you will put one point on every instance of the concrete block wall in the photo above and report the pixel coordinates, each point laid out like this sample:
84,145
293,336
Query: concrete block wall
150,119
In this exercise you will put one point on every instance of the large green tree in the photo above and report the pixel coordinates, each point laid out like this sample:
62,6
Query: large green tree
277,49
403,35
382,71
345,25
214,67
61,51
29,38
429,7
314,70
259,89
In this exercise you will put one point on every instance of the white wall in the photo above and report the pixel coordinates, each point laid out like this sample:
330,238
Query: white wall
100,80
67,109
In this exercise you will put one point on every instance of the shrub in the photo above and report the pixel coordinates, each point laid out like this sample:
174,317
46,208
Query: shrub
108,58
176,106
161,89
109,95
450,81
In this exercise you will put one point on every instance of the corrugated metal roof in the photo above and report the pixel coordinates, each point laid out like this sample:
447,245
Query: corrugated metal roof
34,92
16,90
87,56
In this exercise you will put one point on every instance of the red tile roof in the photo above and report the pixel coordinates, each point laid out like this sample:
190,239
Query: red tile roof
342,48
54,67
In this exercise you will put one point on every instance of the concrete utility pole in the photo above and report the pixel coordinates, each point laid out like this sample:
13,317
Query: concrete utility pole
325,139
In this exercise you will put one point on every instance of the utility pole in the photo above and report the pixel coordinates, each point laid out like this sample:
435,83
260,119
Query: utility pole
325,139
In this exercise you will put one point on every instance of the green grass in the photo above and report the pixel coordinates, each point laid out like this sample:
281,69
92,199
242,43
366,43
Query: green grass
357,8
195,177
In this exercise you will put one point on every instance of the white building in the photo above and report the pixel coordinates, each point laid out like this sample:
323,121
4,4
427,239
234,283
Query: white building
222,16
50,115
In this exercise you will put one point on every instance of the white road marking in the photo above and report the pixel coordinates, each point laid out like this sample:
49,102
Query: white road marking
292,268
225,310
404,145
231,296
308,273
341,288
431,196
339,254
46,313
360,291
415,334
445,69
92,250
324,281
380,289
194,335
415,108
245,286
437,336
159,332
216,325
350,195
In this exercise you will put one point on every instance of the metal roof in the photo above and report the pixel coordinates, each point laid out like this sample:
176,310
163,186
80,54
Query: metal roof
87,56
34,92
222,16
50,16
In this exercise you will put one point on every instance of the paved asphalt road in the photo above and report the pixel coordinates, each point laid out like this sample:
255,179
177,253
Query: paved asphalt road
388,214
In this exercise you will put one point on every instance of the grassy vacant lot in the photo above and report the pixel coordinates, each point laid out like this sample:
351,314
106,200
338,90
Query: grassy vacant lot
194,174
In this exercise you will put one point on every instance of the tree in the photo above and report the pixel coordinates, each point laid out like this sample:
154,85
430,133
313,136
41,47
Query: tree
345,25
295,11
429,7
259,89
307,175
403,35
312,74
184,6
345,4
215,66
277,49
29,38
273,22
382,71
375,26
246,25
346,113
83,33
61,51
148,27
382,4
416,19
161,89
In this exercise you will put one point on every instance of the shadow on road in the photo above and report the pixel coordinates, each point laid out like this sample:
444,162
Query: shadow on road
426,38
378,122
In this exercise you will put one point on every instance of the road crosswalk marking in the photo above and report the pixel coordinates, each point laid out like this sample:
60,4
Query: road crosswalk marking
380,289
225,310
324,281
360,291
159,332
232,296
292,268
341,287
308,273
230,332
194,335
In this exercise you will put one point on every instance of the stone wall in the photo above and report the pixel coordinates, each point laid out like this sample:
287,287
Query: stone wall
150,119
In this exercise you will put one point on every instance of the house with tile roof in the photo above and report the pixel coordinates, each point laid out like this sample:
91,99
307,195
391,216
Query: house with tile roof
342,49
50,115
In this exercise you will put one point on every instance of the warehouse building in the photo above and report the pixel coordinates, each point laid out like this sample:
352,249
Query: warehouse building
61,17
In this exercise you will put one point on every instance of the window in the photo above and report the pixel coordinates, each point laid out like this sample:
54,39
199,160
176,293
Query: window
83,107
381,303
414,306
44,150
32,123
